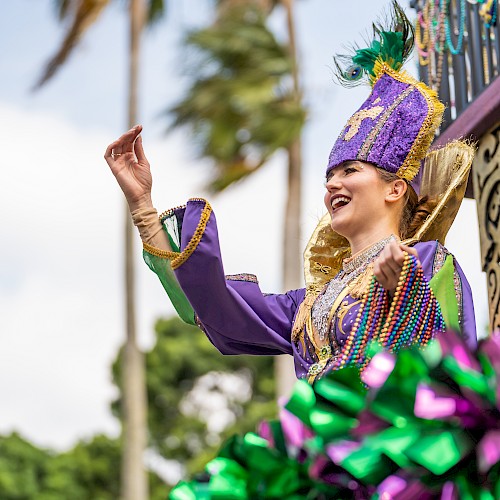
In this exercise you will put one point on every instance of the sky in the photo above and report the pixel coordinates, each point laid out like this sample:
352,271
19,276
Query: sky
61,299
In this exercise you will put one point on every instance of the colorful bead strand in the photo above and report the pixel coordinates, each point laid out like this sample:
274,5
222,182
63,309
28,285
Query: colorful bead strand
412,317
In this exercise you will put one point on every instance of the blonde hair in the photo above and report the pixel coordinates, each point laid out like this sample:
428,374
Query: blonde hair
415,209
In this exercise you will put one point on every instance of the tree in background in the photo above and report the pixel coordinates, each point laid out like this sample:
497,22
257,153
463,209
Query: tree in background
198,397
86,472
243,105
266,107
79,15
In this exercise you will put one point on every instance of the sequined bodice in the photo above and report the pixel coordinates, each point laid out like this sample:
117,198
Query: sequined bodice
352,269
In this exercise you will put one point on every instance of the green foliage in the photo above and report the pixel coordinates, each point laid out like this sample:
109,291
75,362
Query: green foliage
183,368
241,106
23,468
180,358
89,471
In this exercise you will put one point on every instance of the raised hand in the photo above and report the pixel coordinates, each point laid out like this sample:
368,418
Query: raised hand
130,166
387,266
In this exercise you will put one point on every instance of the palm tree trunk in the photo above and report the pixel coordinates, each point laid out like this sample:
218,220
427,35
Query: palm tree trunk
292,251
134,482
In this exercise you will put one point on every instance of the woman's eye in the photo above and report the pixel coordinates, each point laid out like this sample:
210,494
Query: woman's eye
349,170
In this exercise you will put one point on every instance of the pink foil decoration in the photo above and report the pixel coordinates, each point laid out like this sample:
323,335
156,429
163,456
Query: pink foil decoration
488,451
429,405
379,368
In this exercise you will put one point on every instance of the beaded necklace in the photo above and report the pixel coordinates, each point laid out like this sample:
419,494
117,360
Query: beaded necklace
432,20
461,28
488,12
352,268
412,317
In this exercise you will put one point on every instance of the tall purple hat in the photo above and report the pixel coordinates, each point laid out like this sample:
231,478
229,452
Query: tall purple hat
395,126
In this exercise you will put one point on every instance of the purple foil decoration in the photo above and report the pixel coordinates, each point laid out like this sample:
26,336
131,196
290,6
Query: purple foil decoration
449,492
368,423
318,466
295,432
414,491
264,431
491,348
452,345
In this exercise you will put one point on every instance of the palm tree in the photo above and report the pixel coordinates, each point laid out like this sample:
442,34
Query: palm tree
244,104
80,15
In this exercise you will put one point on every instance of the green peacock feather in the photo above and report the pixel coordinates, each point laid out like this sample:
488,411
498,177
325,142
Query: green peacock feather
392,44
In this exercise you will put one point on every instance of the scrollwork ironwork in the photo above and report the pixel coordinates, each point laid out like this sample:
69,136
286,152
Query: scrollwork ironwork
486,170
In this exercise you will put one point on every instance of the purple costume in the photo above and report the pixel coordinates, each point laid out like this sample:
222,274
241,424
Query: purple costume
328,324
239,319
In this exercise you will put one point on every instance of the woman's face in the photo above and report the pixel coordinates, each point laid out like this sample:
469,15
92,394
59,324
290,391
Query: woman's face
356,198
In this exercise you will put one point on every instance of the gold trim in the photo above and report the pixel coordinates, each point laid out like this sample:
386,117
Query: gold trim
319,366
425,136
357,118
304,312
344,308
178,258
342,295
197,235
157,252
169,212
325,251
444,177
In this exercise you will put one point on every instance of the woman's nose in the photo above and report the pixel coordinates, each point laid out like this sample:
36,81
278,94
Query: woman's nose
333,183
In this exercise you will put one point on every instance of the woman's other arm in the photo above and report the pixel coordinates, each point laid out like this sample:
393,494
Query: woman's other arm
129,165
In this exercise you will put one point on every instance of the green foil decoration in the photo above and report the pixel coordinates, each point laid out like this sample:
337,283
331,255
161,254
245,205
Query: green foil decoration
422,424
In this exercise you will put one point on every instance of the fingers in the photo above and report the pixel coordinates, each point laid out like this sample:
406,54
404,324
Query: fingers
139,151
395,256
387,267
124,144
381,274
410,250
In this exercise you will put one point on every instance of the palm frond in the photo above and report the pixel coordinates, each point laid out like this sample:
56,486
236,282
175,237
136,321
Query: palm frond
241,106
156,10
84,15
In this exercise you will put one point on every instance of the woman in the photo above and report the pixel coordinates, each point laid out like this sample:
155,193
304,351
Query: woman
386,290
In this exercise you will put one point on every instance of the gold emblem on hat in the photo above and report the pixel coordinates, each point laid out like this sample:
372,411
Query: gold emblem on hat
357,118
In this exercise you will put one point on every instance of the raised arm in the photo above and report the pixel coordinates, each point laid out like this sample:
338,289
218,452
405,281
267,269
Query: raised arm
129,165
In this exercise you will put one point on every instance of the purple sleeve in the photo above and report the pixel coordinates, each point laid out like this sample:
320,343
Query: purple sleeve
468,319
432,255
235,315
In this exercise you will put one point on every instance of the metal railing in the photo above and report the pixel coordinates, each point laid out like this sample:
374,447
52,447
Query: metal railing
458,44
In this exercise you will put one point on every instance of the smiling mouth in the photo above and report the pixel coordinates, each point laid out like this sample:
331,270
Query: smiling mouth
339,202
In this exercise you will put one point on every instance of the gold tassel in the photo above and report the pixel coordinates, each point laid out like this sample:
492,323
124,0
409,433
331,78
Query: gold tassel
359,286
304,312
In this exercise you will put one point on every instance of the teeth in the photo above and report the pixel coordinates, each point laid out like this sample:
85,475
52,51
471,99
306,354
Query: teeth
340,199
